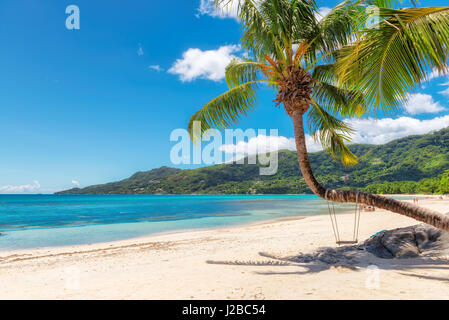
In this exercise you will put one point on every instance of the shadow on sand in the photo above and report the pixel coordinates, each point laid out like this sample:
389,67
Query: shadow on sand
345,258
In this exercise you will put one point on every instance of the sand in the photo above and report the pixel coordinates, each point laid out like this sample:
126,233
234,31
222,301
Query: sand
246,262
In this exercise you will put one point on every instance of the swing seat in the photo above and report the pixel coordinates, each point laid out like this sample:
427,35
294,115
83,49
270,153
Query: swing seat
347,242
333,217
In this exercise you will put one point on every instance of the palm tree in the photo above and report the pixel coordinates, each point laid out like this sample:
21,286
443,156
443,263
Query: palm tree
323,70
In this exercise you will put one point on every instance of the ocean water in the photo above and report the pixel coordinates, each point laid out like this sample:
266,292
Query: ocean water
32,221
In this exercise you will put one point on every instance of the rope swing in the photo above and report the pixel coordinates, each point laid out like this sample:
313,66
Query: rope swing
333,217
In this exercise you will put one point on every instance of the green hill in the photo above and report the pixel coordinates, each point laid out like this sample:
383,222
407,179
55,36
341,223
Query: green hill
394,167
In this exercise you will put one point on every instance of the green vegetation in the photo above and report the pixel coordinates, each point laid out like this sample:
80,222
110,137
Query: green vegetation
415,164
444,183
424,186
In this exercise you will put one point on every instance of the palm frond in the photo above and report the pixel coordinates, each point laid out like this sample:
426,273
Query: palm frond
332,133
225,110
339,100
301,51
334,97
240,71
294,21
272,27
325,73
391,59
337,28
257,37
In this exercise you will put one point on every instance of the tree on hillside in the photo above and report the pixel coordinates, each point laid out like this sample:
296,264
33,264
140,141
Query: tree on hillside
324,69
444,184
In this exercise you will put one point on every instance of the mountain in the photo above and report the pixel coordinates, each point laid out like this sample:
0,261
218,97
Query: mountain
414,158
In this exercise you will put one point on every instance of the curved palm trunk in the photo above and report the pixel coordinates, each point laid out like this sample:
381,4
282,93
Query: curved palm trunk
431,217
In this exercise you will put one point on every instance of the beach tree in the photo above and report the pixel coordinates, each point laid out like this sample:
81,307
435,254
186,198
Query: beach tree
325,69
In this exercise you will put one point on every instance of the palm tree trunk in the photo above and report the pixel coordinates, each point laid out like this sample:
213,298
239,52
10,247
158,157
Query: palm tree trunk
431,217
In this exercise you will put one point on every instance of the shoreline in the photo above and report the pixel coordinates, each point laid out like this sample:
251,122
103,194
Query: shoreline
175,231
238,262
162,233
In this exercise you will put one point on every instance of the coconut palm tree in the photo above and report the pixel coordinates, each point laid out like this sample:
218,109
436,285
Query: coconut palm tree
324,69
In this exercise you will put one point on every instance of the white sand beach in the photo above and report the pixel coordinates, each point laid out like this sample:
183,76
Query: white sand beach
245,262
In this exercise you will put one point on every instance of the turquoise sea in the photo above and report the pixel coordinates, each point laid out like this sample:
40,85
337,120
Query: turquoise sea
31,221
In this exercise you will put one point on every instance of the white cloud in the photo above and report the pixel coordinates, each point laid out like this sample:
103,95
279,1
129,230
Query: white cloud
75,183
27,188
260,143
207,7
435,74
263,143
381,131
312,145
422,103
322,12
445,91
209,64
367,131
230,10
140,50
156,67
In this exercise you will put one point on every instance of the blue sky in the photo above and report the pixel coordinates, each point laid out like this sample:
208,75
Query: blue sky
97,104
